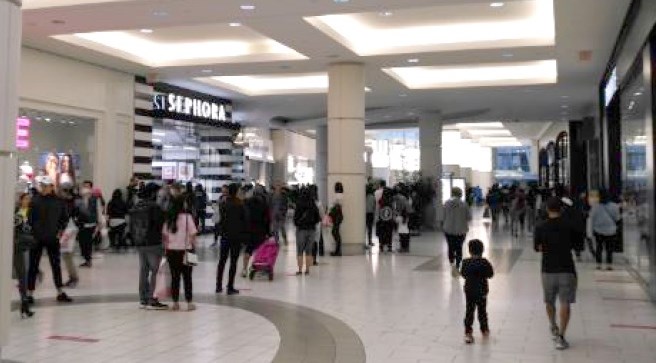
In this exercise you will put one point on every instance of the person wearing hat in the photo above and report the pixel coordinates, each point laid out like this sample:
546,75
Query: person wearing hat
48,218
146,222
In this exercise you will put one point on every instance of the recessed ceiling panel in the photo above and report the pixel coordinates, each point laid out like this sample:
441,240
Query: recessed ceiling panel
186,46
38,4
477,75
519,23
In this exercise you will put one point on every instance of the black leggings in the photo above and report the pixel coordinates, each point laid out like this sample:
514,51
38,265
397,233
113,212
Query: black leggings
455,248
604,242
337,236
228,249
476,303
179,269
52,248
117,236
370,227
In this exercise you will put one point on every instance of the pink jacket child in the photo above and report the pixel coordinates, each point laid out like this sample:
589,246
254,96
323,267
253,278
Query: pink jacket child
185,236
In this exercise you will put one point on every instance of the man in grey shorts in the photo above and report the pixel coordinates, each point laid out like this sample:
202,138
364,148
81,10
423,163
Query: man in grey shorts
306,218
553,238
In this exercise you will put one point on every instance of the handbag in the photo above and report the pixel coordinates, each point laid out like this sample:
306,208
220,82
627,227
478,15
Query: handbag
190,257
162,288
67,239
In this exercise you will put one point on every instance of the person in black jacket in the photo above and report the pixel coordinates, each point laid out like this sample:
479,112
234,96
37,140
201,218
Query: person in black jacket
306,218
146,222
48,219
234,230
476,270
200,205
259,224
117,209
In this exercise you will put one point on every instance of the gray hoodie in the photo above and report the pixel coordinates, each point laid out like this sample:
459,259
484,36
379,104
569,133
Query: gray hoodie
456,217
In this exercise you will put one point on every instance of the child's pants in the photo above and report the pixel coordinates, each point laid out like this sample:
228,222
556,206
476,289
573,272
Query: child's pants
404,239
474,303
70,265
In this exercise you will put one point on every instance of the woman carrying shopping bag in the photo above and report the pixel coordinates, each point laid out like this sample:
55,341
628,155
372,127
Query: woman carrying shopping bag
179,234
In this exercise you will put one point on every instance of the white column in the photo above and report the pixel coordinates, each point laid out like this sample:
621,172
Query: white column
10,40
430,144
346,107
322,163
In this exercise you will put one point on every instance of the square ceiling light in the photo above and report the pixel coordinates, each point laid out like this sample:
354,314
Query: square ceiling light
454,27
185,46
477,75
272,84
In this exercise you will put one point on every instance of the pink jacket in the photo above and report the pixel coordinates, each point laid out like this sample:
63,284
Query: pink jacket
184,238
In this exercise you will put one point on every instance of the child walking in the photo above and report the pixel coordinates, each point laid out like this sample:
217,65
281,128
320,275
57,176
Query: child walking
404,232
476,270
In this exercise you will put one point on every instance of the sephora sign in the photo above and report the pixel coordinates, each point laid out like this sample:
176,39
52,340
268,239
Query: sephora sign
177,104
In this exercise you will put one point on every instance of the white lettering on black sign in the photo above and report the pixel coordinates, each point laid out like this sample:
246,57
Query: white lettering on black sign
190,106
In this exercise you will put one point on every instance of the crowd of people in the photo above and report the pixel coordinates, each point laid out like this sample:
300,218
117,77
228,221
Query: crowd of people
162,223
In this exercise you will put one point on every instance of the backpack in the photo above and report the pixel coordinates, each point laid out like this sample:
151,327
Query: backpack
140,224
386,214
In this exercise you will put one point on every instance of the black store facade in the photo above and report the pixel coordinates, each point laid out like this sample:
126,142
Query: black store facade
627,97
185,136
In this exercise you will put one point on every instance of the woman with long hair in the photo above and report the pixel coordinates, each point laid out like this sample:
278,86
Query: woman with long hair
234,233
66,177
179,235
51,167
117,209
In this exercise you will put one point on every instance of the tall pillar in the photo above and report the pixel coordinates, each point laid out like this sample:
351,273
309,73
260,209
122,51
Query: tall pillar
322,163
10,40
346,102
430,151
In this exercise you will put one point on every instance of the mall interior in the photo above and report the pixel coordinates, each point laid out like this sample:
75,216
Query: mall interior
543,98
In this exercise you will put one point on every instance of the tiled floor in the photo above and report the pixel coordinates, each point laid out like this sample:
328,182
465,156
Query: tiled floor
403,308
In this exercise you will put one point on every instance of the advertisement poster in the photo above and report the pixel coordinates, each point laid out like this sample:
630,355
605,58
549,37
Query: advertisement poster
62,168
169,172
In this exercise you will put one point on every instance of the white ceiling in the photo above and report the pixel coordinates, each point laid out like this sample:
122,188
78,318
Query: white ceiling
284,21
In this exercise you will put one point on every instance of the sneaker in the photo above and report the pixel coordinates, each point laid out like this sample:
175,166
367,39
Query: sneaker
30,300
561,343
555,332
307,272
244,273
609,268
454,271
218,290
469,339
486,333
86,265
156,305
191,307
175,307
62,297
143,305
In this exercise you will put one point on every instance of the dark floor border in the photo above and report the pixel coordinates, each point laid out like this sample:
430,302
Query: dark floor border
306,335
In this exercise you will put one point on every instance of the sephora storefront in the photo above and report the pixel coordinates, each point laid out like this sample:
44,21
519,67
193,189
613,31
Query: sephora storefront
185,136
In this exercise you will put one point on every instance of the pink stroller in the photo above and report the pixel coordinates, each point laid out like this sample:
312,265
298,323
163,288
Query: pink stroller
264,259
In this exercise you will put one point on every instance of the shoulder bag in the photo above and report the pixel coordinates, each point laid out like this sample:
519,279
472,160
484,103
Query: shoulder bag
190,257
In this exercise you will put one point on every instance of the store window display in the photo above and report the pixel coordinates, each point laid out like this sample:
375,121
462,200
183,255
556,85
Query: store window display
61,147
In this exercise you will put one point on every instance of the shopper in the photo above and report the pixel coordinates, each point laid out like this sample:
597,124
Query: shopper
68,197
476,270
604,217
234,233
200,207
518,208
48,219
179,236
279,208
87,211
337,217
553,238
402,220
117,210
306,218
259,223
456,225
386,220
146,221
370,204
23,242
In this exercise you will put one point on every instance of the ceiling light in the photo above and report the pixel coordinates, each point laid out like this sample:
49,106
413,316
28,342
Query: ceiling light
507,55
497,4
480,125
146,31
273,84
564,96
247,7
564,106
413,60
533,25
160,13
206,71
403,95
477,75
235,24
341,1
638,94
386,13
47,119
71,123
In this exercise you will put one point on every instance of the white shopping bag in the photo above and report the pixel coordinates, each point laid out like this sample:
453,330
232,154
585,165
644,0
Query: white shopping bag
163,281
68,237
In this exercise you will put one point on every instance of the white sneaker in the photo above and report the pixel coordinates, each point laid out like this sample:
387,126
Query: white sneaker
561,343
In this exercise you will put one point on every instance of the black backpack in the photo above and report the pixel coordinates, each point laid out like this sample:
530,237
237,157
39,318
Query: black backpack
140,224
